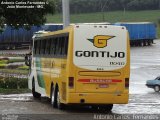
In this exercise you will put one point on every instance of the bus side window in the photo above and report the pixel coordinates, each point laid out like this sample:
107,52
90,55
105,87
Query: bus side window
61,45
35,47
66,45
52,48
43,45
48,44
38,47
56,51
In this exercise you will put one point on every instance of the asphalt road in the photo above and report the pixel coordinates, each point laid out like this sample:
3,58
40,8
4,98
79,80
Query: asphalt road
145,64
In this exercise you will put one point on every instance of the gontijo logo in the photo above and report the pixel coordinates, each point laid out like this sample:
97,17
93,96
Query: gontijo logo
100,41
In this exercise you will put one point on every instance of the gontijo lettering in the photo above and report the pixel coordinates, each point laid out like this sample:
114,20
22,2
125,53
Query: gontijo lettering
103,54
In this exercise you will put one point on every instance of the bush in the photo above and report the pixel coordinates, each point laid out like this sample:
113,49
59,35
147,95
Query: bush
3,61
2,66
14,83
15,60
23,67
13,66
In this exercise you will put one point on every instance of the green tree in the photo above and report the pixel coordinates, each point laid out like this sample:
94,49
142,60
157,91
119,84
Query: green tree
25,17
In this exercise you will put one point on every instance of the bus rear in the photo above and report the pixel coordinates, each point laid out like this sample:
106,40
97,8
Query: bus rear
99,67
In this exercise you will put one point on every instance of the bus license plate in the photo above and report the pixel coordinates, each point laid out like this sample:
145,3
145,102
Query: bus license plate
103,86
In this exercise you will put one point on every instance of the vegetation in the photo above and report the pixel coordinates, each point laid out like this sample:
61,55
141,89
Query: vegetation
15,60
7,67
17,18
23,67
91,6
2,66
3,61
12,85
13,78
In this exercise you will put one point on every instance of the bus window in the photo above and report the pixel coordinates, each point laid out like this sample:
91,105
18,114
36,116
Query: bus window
56,52
61,45
35,47
38,47
47,46
66,46
41,47
53,46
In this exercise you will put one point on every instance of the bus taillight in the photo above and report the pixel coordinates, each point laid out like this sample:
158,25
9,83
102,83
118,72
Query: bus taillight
71,82
127,83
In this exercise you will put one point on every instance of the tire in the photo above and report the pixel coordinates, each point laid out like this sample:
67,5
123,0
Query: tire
58,100
109,107
142,44
156,88
8,47
13,47
146,42
53,98
34,93
106,108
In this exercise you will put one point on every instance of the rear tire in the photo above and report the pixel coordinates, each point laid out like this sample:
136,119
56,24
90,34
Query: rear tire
156,88
59,104
53,98
142,44
34,93
107,108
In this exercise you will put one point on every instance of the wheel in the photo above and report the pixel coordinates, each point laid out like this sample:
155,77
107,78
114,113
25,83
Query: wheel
156,88
59,104
142,44
7,47
13,47
34,93
106,108
109,107
53,98
149,43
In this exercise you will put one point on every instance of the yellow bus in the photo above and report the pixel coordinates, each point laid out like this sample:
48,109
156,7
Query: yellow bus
83,65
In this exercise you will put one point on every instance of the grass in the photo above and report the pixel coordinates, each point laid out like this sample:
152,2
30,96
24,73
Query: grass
112,17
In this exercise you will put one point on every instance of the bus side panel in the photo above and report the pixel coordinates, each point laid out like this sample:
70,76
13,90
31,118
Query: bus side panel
46,74
59,76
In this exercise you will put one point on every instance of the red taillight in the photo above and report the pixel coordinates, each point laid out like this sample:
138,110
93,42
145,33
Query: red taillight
127,83
71,82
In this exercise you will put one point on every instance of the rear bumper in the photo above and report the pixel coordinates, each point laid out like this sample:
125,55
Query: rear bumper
97,98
